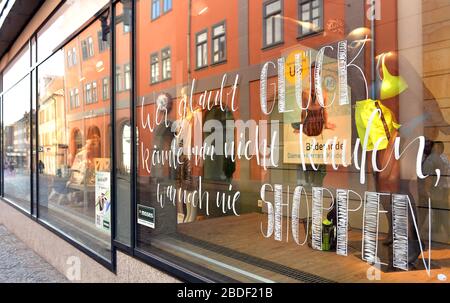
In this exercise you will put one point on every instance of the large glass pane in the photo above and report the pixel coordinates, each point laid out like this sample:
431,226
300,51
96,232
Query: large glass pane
16,144
17,69
124,147
292,163
69,17
74,147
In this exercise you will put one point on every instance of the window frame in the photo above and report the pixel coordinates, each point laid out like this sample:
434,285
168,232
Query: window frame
264,24
163,59
118,79
300,16
94,92
197,44
105,88
156,63
127,77
103,46
164,11
87,93
152,18
214,37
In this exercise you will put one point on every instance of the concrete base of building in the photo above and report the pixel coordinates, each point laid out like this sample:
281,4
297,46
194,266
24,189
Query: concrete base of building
71,262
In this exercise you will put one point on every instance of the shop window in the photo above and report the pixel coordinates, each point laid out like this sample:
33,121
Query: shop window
17,145
295,120
311,16
16,69
273,23
74,186
166,64
123,142
219,46
202,49
154,68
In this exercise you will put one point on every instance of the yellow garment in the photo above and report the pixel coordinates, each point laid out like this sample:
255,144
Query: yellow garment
363,112
391,86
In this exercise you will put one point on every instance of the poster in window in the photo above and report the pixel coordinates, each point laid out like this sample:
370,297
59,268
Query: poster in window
324,123
103,200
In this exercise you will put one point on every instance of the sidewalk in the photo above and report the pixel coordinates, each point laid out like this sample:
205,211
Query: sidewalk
20,264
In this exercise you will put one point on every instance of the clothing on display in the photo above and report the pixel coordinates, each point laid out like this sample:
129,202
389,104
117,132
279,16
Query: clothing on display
382,126
391,86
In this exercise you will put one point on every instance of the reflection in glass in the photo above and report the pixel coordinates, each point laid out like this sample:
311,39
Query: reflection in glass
16,144
74,146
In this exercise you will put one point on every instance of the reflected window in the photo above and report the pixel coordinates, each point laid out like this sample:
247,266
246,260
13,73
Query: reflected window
311,16
126,19
154,61
202,49
88,94
94,92
273,28
16,144
221,168
119,79
69,58
74,154
156,9
127,77
87,48
166,64
102,44
219,43
105,89
167,5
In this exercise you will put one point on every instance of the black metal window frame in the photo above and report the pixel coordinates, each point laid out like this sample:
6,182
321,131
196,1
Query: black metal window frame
311,18
265,17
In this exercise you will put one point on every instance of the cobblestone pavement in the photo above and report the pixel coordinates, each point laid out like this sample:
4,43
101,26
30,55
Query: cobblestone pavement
20,264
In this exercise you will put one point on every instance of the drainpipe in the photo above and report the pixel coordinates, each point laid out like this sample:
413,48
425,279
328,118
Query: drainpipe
189,42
